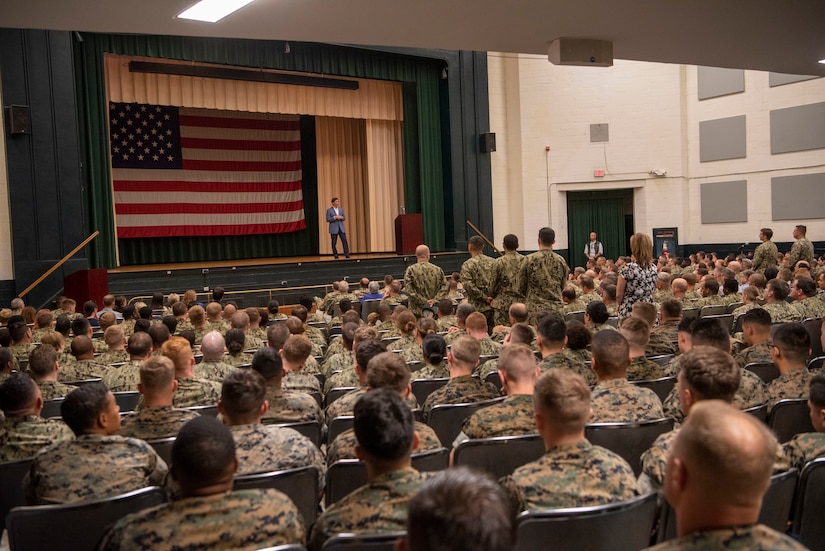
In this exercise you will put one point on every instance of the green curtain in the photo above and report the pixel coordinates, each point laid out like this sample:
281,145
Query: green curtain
602,212
424,181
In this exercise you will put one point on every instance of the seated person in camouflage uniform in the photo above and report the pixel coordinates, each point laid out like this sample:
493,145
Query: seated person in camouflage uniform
157,418
235,345
595,317
213,368
315,335
791,348
806,303
776,291
517,313
756,332
660,343
571,303
240,320
347,377
462,388
340,360
97,463
82,327
514,416
208,514
262,448
808,446
551,339
159,334
709,289
294,355
21,339
115,341
478,330
434,351
364,353
298,328
408,345
43,368
614,399
462,312
455,507
126,377
572,472
85,366
445,314
717,475
386,437
23,432
637,333
387,370
519,333
191,390
285,406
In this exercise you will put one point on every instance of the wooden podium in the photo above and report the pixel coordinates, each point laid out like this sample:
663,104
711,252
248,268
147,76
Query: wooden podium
85,285
409,233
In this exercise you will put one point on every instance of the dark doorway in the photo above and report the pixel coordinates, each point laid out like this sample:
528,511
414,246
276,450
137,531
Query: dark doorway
608,213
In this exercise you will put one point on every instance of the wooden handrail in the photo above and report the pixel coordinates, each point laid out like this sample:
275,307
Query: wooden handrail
484,237
59,264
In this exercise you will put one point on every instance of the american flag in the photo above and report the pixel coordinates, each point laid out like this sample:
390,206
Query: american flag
178,171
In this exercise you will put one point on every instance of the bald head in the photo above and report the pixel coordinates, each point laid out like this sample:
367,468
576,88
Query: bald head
422,253
213,346
679,286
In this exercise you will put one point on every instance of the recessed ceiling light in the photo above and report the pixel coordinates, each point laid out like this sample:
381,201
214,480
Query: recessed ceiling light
212,11
822,61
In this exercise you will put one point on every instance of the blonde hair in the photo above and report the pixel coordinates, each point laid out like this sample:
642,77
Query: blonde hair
157,373
641,247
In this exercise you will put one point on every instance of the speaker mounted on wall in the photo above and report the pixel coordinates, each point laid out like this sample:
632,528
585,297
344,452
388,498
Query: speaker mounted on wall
487,142
20,119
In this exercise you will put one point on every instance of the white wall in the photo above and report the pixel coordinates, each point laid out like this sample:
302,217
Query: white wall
6,263
653,116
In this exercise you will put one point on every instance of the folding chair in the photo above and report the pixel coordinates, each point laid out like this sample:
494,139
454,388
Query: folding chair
629,440
661,387
725,319
127,401
211,411
766,371
446,419
300,485
760,412
713,310
163,447
11,482
577,316
368,307
816,363
662,359
422,388
810,502
363,542
788,418
733,306
337,392
339,425
83,381
310,429
51,408
499,456
690,313
814,328
493,378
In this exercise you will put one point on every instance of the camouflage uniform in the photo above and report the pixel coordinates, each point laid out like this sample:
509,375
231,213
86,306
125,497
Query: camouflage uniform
712,300
263,448
196,392
732,298
445,322
343,447
803,448
757,537
83,369
341,379
409,347
559,360
542,278
100,347
602,327
246,519
673,367
592,296
52,390
642,369
311,366
618,401
476,277
802,249
582,356
237,360
571,475
758,353
20,352
344,405
504,285
200,332
577,305
258,334
782,312
378,506
338,362
155,422
437,371
660,296
315,336
22,437
764,257
393,299
489,347
213,370
483,370
514,416
124,378
300,381
661,344
221,326
752,392
453,335
744,308
286,406
810,307
424,281
461,390
113,357
38,334
792,385
92,466
253,342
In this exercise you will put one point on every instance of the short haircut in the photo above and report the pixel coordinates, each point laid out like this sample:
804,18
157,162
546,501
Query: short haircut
767,232
17,392
365,332
388,370
780,289
296,349
611,352
551,328
806,285
196,315
159,333
475,243
521,333
569,293
817,390
366,351
464,310
671,308
466,350
510,242
710,332
801,228
518,311
730,286
793,340
157,373
445,307
518,362
113,336
712,286
243,392
139,344
597,311
459,507
44,319
81,345
300,312
645,311
268,363
586,282
757,316
384,425
434,349
82,406
609,290
52,338
178,309
203,449
476,322
711,373
277,335
42,360
636,331
178,350
547,236
564,398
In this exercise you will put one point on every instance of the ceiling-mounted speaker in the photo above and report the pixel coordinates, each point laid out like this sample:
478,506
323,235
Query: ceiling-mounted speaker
20,119
581,52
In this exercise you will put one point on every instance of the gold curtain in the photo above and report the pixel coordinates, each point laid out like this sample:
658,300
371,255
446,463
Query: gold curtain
385,181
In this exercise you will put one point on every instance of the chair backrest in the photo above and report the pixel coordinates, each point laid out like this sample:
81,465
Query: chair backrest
623,526
775,327
577,316
84,381
300,485
198,358
287,547
661,387
788,418
814,328
11,482
211,411
363,542
51,408
446,419
415,365
335,331
760,412
737,325
725,319
422,388
499,456
336,393
339,425
493,378
690,313
629,440
713,310
613,321
810,502
368,307
484,358
127,401
163,447
816,363
75,525
733,306
310,429
778,500
320,376
318,398
766,371
661,359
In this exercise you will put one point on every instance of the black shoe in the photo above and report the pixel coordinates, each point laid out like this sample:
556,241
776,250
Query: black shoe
347,256
336,257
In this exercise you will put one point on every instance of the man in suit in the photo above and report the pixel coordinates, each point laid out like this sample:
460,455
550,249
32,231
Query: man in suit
335,218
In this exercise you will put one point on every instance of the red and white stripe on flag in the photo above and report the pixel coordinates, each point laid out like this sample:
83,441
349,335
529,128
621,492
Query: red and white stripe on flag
204,172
